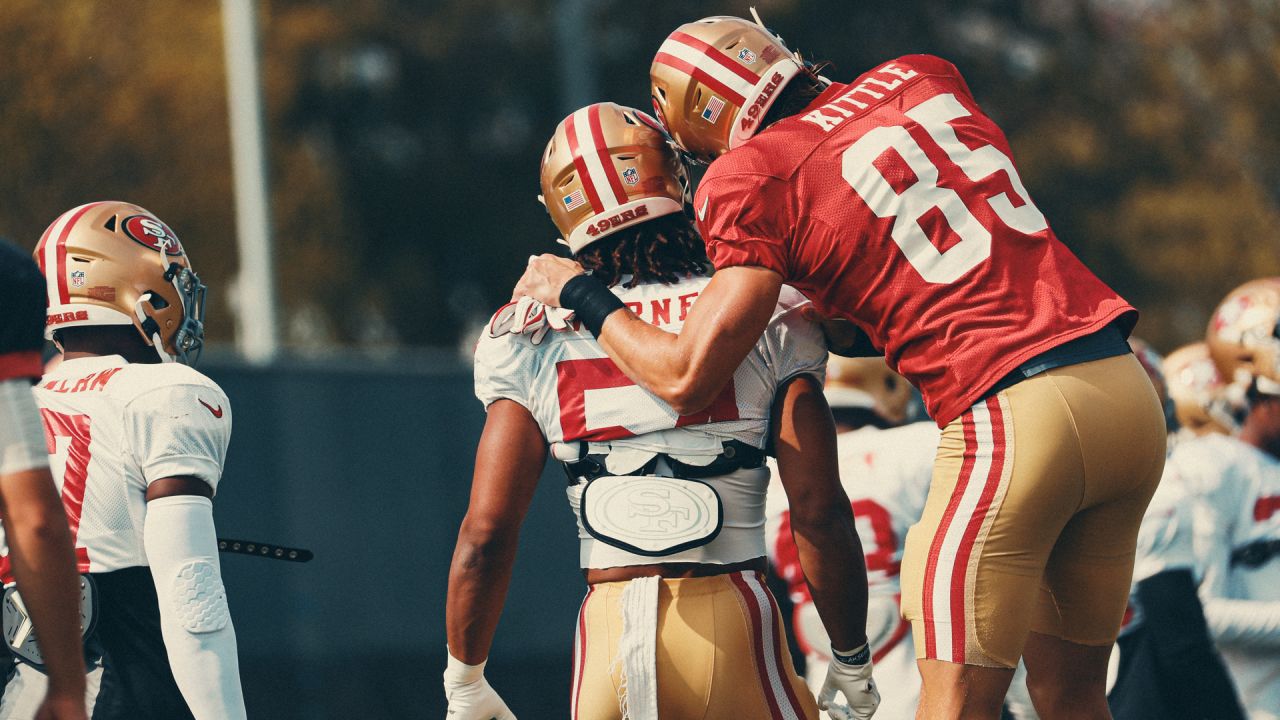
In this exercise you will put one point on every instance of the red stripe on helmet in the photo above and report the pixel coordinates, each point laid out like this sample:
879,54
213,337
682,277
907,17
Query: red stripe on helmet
581,165
716,55
701,76
39,252
64,295
602,151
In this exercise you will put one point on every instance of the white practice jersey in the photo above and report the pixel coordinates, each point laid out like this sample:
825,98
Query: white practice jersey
113,428
1164,539
886,474
578,395
1236,506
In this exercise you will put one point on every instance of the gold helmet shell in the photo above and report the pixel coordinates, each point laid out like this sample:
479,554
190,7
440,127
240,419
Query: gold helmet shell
714,80
1202,401
609,167
1244,336
869,384
114,263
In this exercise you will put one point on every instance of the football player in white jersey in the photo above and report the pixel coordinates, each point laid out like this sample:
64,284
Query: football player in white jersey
137,440
39,553
885,467
1168,666
1236,484
677,619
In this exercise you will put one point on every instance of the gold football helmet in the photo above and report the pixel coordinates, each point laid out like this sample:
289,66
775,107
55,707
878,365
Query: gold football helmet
869,384
1202,401
714,80
609,167
114,263
1244,336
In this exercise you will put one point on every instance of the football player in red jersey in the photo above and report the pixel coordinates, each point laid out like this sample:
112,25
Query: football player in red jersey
892,202
35,526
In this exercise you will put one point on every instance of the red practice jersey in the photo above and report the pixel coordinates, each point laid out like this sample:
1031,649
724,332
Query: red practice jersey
894,202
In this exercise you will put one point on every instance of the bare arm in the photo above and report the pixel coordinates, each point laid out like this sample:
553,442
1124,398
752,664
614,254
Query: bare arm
821,516
45,567
687,370
509,460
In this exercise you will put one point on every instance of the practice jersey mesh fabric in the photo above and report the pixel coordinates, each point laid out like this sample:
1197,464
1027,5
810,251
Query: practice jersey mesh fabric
114,428
894,202
577,395
1236,489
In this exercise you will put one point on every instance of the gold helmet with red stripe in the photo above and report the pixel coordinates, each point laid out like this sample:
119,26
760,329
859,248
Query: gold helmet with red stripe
714,80
1203,403
1244,336
609,167
867,384
114,263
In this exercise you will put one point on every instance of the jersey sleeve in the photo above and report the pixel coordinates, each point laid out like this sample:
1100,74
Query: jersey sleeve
22,295
739,225
794,345
180,431
504,370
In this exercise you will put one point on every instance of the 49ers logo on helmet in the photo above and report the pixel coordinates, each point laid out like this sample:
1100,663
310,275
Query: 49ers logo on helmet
154,234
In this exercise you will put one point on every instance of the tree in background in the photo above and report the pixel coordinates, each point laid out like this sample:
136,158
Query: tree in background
405,136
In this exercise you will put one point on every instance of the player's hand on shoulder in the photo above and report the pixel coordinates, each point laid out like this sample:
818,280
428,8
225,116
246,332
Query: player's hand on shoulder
850,675
545,277
470,695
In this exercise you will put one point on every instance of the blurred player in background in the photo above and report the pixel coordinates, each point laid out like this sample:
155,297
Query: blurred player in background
1168,665
39,548
893,203
137,440
885,467
1235,481
1202,402
677,621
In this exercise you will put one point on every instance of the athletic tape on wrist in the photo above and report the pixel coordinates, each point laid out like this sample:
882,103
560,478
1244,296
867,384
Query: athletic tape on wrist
590,300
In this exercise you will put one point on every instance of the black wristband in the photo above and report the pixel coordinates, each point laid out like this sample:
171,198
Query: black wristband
590,300
861,657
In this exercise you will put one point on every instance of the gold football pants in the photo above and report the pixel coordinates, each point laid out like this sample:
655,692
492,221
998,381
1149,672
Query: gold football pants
1032,516
721,653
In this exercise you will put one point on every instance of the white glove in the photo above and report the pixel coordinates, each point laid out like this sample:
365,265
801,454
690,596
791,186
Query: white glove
850,674
527,316
469,694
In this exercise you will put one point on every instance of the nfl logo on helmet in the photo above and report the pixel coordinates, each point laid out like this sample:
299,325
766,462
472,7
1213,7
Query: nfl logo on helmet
630,176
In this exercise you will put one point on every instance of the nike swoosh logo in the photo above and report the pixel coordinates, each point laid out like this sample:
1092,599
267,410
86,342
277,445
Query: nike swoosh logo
702,214
216,413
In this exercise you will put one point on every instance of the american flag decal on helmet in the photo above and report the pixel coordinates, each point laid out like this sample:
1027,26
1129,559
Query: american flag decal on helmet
712,111
574,200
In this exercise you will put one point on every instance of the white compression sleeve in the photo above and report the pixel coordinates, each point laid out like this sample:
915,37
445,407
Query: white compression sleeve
182,550
22,445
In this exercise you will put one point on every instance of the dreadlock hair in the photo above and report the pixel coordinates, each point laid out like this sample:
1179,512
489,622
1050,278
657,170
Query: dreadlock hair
659,250
798,94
